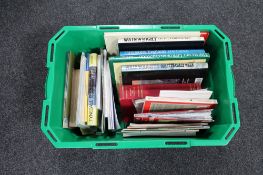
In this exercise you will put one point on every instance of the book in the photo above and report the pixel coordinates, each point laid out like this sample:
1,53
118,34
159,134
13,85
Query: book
168,125
154,43
160,52
141,91
86,88
163,81
74,98
111,38
81,114
182,56
159,133
167,104
67,89
109,108
177,113
99,83
102,122
129,93
171,119
184,72
92,108
175,116
116,63
202,93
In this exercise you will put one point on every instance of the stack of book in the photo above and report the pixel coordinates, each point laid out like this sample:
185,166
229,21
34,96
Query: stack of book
85,106
157,77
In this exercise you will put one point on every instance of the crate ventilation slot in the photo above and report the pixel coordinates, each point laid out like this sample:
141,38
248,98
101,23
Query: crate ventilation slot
227,51
175,143
109,27
234,113
219,34
106,144
51,52
51,135
59,35
46,116
229,133
170,27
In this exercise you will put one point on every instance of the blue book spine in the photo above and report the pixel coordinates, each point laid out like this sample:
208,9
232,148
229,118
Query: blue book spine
160,52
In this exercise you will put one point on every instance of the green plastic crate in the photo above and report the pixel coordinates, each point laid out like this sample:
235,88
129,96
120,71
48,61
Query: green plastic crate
83,38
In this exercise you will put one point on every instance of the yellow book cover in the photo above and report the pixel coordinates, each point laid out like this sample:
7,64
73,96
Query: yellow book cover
92,108
86,111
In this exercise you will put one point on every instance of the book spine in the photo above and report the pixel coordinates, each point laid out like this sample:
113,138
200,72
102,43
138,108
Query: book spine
111,38
99,83
166,45
165,81
146,119
141,91
67,90
177,55
158,39
92,108
205,35
168,119
163,67
74,99
80,116
160,52
86,89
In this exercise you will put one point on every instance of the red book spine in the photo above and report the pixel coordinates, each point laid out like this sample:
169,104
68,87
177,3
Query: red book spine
205,35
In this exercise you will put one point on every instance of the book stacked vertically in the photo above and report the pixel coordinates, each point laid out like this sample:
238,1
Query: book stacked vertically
157,77
88,99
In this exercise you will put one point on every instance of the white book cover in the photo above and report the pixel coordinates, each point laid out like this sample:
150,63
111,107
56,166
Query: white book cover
111,38
201,94
80,120
158,39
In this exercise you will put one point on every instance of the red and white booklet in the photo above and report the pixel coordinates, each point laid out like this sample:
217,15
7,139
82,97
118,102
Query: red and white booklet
152,104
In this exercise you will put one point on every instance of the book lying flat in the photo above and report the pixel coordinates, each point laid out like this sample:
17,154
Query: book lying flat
168,125
111,38
168,104
175,116
180,113
158,133
202,93
158,119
